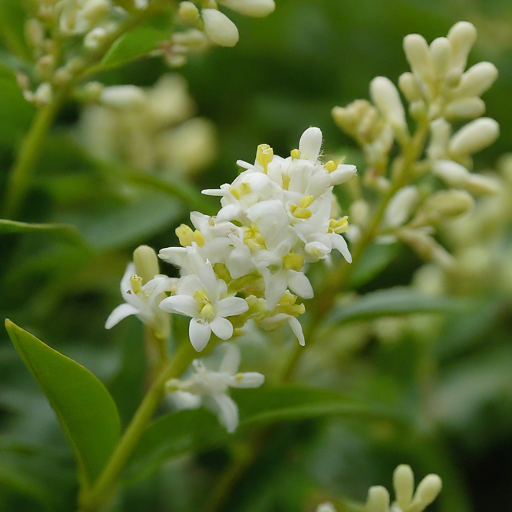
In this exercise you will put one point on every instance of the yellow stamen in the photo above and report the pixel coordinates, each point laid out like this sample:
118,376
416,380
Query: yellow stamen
207,312
339,226
302,213
136,283
264,155
286,181
331,165
293,261
295,154
234,192
306,201
185,235
239,377
199,238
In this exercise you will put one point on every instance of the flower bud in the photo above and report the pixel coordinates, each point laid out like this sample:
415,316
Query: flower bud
378,499
403,482
146,263
219,28
43,94
441,52
462,36
474,137
476,80
426,248
94,38
418,55
465,108
188,12
409,86
385,96
427,491
401,206
452,173
446,203
255,8
440,131
326,507
480,185
310,143
122,96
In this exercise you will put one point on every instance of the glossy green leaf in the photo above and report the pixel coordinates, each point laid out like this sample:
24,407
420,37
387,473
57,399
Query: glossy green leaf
372,263
192,430
133,44
392,302
86,411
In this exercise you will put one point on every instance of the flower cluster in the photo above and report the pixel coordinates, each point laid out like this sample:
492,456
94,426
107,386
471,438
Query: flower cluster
149,129
438,92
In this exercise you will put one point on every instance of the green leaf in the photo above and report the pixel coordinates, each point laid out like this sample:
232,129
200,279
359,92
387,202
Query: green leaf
64,231
392,302
132,45
191,430
86,411
12,25
372,263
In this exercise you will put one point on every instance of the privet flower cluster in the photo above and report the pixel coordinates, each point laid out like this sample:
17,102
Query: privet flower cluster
406,499
248,262
150,129
438,91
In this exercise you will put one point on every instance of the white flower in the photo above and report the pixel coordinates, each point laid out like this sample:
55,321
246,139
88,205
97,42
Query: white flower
142,301
209,388
203,297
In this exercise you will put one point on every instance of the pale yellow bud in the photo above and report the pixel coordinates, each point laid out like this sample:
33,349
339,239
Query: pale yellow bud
476,80
409,86
441,53
378,499
462,36
427,491
188,12
475,136
403,482
146,263
256,8
467,108
418,55
386,98
446,203
219,28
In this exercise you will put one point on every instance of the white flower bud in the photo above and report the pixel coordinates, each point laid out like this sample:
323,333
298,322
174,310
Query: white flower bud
310,143
466,108
441,53
326,507
43,94
462,36
360,212
219,28
480,185
401,206
440,131
146,263
452,173
378,499
418,55
256,8
94,38
474,137
386,98
188,12
427,491
476,80
403,482
409,86
141,4
447,203
94,10
122,96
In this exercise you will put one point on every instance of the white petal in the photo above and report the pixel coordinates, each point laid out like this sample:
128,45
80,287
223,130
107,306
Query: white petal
297,329
225,408
181,304
231,360
207,276
339,243
232,306
300,284
275,286
185,400
122,311
342,174
222,328
310,143
229,212
215,192
199,334
247,380
126,285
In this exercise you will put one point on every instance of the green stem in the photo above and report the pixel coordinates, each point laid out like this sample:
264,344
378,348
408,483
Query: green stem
102,491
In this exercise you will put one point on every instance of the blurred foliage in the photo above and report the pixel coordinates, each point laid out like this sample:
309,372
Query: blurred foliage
450,397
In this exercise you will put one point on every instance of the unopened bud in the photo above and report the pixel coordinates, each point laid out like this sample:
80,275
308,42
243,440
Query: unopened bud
480,185
452,173
440,131
255,8
122,96
326,507
386,98
401,206
219,28
146,263
467,108
378,499
474,137
476,80
427,491
409,86
360,212
43,94
441,52
94,10
94,38
188,12
310,143
462,36
446,203
418,55
403,482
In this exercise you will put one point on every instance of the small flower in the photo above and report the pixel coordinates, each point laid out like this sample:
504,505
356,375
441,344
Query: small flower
203,297
209,388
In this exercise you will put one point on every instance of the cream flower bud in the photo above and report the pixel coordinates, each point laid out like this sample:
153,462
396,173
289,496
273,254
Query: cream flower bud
403,482
401,206
474,137
409,86
418,55
426,248
385,96
219,28
378,499
122,96
94,38
465,108
188,12
462,36
476,80
146,263
447,203
427,491
441,52
326,507
310,144
255,8
43,94
440,131
480,185
451,172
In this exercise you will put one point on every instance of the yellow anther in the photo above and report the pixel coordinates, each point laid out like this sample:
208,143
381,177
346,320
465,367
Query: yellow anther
295,154
199,238
293,261
234,192
286,181
253,238
207,312
136,283
264,155
331,165
185,235
306,201
293,207
239,377
202,297
288,299
245,188
302,213
339,226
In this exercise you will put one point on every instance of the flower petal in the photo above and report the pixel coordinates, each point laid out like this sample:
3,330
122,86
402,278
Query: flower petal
297,329
119,313
231,360
247,380
181,304
222,328
299,284
199,334
225,409
310,143
339,243
232,306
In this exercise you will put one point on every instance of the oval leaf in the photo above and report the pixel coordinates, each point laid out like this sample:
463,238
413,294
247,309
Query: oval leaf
86,411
